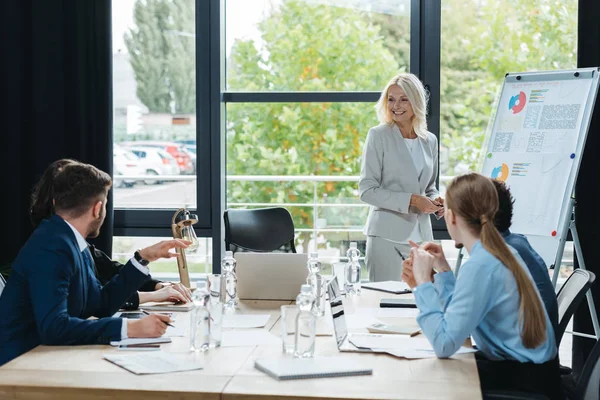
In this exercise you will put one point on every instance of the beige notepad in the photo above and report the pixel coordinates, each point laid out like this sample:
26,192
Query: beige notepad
286,368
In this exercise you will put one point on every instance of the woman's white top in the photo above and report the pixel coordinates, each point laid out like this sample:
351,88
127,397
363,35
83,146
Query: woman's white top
416,152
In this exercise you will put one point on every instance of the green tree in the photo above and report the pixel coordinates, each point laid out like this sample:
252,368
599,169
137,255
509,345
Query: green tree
304,47
481,42
161,47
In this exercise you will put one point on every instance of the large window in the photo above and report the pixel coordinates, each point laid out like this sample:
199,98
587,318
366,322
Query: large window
287,89
154,98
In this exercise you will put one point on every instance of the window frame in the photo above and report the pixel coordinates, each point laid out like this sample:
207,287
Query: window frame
211,101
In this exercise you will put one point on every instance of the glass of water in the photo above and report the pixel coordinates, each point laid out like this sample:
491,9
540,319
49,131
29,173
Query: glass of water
216,323
215,286
288,328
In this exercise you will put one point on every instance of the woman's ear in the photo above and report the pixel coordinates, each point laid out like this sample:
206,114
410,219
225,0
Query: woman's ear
97,210
450,217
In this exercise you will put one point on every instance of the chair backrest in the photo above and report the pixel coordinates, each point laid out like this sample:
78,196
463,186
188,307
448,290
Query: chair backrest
259,230
2,284
569,297
588,386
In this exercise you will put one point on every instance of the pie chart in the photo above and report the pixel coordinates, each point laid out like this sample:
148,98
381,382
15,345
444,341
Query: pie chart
517,102
500,173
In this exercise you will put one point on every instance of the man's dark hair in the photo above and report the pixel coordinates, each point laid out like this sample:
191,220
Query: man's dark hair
77,187
503,218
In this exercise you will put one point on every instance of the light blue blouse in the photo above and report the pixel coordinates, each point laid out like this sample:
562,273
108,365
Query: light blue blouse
482,302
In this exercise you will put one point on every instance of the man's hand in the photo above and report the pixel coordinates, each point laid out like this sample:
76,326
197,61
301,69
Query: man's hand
168,293
154,325
162,249
440,263
185,292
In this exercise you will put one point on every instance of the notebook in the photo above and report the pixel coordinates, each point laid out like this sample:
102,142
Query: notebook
155,363
308,368
135,341
166,306
396,287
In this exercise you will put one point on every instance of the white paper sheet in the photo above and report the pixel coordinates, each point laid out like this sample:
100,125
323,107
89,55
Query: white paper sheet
399,345
245,321
387,312
155,363
256,337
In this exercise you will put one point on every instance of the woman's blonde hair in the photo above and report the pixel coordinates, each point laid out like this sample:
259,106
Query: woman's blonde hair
474,198
415,91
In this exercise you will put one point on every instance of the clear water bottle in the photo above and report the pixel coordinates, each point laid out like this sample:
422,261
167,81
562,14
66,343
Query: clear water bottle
352,285
315,279
304,343
200,320
229,281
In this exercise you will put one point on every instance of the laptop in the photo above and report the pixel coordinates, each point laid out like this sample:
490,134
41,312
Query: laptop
342,336
270,276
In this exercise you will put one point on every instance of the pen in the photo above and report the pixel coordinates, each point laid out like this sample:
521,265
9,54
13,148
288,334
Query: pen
400,254
147,313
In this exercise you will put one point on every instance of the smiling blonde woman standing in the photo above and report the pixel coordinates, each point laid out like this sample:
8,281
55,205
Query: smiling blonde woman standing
397,177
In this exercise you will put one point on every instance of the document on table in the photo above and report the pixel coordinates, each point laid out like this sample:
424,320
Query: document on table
399,345
155,363
255,337
245,321
131,341
396,287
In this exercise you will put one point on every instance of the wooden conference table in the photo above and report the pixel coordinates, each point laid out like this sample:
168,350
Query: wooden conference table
80,372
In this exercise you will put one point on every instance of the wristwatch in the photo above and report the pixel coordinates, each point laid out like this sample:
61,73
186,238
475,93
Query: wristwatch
138,258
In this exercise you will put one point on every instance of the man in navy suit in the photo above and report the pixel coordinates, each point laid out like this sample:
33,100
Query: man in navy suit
52,290
535,264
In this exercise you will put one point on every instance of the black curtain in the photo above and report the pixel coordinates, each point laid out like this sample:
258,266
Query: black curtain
586,191
57,101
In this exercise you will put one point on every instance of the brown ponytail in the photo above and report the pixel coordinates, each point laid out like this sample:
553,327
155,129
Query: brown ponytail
475,199
42,197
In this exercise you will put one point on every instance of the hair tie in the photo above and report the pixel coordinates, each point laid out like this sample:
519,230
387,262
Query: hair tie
484,220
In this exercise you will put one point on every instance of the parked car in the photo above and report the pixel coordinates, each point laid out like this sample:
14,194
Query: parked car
190,146
125,163
155,161
186,166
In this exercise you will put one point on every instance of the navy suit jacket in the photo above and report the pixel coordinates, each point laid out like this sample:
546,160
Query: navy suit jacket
538,271
51,293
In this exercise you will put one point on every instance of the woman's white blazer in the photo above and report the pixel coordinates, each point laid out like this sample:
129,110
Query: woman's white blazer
388,178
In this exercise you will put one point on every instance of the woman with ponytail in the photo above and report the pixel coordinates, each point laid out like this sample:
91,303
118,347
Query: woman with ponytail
494,299
42,208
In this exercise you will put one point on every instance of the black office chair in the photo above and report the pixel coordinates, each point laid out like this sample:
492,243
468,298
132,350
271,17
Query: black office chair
259,230
588,385
570,296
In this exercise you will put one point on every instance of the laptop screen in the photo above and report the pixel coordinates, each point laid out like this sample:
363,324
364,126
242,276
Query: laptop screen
337,312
